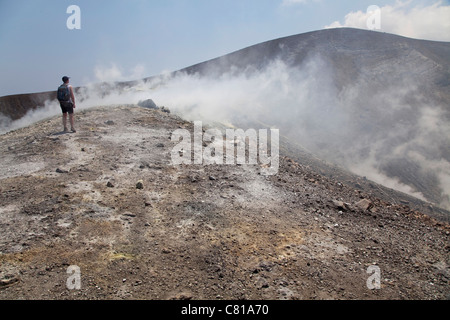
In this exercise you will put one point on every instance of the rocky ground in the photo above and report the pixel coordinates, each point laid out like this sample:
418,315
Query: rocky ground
108,200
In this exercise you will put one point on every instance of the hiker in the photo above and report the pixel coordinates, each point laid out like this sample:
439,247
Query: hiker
67,102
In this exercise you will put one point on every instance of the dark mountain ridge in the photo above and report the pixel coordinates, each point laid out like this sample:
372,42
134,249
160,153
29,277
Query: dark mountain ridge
347,50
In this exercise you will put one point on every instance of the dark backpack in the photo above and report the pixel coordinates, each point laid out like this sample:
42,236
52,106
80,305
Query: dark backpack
63,93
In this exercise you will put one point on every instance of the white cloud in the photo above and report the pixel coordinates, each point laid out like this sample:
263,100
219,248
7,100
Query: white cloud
422,22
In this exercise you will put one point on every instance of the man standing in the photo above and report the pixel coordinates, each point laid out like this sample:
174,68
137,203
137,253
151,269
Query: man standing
67,102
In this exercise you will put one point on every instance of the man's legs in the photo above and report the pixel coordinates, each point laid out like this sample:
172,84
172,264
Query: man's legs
64,119
71,122
67,109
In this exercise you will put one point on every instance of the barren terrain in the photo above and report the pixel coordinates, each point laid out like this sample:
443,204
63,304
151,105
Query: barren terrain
108,200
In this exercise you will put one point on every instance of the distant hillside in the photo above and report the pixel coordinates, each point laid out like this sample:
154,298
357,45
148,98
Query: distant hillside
16,106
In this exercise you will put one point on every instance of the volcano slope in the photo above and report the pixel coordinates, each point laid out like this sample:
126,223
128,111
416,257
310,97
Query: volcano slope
195,231
356,98
372,102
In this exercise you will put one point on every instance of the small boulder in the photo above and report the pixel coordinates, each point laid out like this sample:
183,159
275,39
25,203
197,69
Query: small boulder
364,204
163,109
149,104
340,205
8,280
140,184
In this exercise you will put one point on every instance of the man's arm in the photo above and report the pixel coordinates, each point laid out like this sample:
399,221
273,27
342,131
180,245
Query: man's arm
72,96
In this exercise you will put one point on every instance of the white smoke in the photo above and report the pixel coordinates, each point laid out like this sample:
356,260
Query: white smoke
49,109
371,131
89,96
116,73
359,127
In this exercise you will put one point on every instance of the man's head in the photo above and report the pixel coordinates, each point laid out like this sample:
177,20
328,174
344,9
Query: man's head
65,79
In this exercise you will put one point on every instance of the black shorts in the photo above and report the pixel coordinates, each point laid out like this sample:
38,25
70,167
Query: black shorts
66,107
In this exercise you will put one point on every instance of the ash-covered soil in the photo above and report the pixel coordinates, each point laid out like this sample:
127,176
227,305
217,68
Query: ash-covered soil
108,200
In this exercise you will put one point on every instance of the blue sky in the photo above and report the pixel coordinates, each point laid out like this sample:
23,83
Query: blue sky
127,40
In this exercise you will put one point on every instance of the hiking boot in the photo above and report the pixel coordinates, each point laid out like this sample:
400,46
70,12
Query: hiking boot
65,129
73,130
